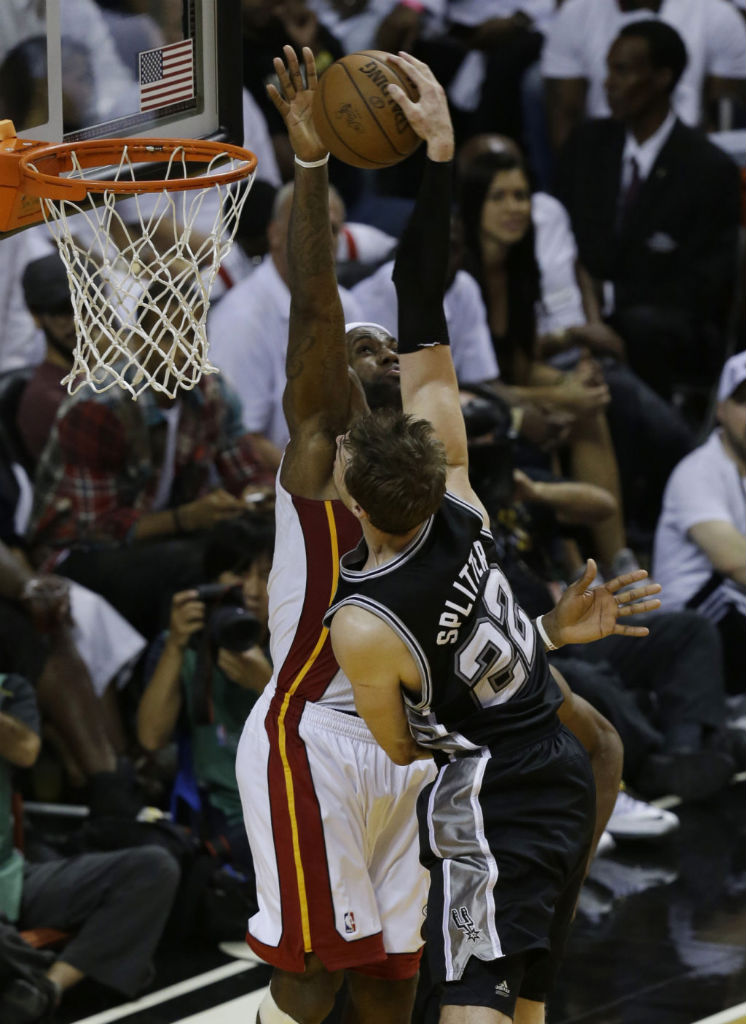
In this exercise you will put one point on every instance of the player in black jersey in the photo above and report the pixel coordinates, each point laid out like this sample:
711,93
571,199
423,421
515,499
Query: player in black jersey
444,663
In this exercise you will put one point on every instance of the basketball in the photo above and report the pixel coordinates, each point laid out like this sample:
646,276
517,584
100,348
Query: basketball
356,119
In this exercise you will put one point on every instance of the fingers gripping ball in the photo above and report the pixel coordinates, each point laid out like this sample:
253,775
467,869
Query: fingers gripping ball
356,118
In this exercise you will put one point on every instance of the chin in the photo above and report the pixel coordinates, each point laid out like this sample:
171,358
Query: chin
383,394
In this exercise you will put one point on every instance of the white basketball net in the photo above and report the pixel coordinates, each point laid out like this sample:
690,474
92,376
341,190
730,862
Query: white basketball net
141,270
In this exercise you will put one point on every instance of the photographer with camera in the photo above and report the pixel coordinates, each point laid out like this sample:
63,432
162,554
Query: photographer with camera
212,666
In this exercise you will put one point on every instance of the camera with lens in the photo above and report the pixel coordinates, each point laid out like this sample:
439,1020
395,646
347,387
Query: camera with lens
228,623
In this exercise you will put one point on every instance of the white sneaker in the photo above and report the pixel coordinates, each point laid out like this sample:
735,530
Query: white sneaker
605,844
634,819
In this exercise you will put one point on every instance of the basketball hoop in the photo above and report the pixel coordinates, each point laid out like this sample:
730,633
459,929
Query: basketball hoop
140,271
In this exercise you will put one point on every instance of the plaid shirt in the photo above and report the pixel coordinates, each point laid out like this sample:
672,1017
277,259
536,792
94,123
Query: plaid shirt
100,469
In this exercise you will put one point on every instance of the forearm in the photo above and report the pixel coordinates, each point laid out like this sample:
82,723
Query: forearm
422,261
575,502
165,523
725,547
606,759
13,574
18,744
311,269
160,705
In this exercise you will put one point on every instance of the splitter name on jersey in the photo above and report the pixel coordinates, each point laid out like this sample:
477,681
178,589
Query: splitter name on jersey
466,585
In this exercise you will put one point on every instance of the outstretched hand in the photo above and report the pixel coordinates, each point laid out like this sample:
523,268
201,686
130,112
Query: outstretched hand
295,102
583,615
428,114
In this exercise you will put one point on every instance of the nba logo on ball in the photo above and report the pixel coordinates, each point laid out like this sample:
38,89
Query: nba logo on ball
350,926
356,117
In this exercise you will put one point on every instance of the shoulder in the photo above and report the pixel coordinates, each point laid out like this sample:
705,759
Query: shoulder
708,462
698,147
357,633
548,213
262,287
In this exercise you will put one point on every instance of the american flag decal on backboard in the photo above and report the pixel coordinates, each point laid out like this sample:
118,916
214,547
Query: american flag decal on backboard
166,75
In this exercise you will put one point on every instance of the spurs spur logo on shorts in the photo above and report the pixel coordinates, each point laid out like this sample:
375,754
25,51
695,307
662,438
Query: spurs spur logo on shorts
350,926
464,921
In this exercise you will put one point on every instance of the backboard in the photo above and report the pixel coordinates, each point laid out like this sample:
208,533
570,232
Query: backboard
74,70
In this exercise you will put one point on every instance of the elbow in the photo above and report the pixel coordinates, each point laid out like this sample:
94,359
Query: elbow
150,739
28,752
603,506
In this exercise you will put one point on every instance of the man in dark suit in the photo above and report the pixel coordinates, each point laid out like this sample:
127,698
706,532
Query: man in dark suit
655,208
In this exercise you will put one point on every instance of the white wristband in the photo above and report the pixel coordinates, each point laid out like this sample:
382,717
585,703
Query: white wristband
548,645
313,163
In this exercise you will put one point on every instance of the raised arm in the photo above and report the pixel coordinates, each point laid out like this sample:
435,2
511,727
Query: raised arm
317,392
428,380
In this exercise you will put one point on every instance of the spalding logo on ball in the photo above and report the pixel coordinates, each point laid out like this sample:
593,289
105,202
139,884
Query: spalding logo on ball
356,118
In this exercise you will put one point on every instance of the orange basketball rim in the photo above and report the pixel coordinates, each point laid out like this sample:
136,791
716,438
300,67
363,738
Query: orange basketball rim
31,171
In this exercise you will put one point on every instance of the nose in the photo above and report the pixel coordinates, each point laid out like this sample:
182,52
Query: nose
388,357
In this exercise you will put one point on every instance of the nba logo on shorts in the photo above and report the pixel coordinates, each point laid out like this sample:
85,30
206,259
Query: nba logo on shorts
350,925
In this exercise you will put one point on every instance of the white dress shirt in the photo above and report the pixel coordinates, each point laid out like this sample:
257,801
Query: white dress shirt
579,38
645,153
471,344
248,335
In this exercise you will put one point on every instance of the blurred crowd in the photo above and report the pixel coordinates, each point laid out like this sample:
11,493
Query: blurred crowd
596,315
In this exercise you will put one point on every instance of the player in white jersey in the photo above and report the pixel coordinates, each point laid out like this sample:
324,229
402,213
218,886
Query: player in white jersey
330,819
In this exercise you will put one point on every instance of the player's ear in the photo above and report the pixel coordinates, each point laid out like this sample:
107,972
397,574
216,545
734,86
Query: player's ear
359,512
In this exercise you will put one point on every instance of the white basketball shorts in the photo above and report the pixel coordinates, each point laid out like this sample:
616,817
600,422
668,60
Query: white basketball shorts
332,825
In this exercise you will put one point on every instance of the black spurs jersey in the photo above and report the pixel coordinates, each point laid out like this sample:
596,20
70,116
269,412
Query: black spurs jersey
484,673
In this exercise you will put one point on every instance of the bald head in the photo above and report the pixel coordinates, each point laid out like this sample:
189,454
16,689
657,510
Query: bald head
279,224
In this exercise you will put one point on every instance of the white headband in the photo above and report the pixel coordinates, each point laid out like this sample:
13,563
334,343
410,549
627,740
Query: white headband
367,323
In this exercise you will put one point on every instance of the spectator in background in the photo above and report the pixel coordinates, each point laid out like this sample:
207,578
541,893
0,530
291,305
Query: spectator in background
248,331
40,639
501,40
117,903
700,544
202,694
578,40
569,323
47,294
267,26
21,341
124,489
655,207
496,207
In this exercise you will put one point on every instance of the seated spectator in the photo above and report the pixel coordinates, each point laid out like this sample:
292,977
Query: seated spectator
124,488
47,294
655,208
75,649
21,342
116,903
569,322
501,39
40,639
665,696
248,332
573,61
267,26
700,544
202,693
496,207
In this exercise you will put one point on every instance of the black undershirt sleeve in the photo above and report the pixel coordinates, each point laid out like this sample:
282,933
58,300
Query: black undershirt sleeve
422,262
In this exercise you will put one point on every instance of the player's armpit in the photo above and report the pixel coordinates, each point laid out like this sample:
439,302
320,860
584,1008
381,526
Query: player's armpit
374,659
